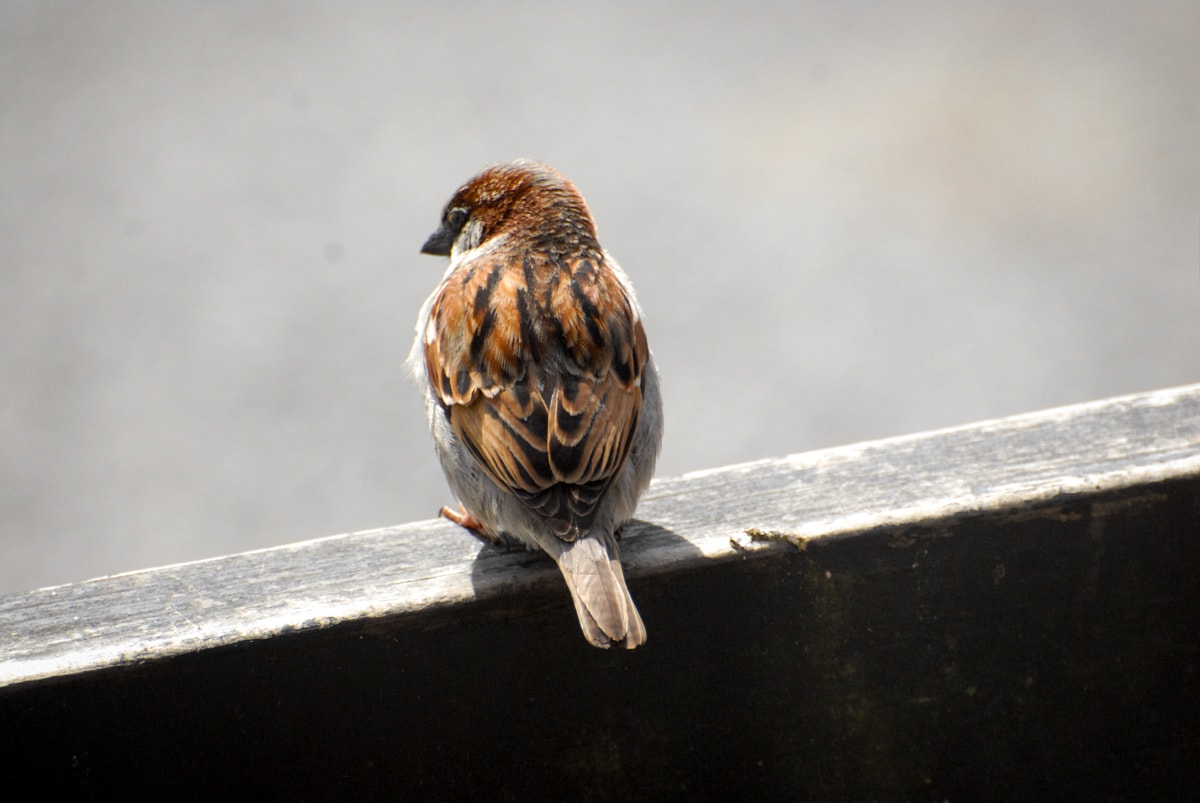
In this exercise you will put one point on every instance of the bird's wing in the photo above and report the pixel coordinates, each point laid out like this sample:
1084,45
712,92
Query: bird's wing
539,367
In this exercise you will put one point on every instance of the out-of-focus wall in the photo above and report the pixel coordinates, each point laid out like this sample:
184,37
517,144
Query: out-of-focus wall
845,221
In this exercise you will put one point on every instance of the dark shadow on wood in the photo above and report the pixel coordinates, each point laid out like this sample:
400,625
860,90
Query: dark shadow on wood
497,567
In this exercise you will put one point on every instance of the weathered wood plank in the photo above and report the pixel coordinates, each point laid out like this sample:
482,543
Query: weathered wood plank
1003,465
1007,609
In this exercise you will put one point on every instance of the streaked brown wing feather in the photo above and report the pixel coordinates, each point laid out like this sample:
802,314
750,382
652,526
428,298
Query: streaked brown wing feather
556,441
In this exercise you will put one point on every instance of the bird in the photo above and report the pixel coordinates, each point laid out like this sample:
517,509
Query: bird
540,389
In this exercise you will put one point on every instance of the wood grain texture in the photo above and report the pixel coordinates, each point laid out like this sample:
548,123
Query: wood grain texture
753,511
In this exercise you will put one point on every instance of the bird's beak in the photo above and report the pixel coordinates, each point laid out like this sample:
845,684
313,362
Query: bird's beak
438,243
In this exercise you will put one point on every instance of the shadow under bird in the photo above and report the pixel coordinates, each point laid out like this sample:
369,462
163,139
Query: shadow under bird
540,388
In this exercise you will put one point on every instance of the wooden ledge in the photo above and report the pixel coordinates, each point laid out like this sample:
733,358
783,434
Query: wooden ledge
1010,605
429,568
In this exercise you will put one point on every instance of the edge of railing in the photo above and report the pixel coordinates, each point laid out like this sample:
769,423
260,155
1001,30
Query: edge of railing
431,570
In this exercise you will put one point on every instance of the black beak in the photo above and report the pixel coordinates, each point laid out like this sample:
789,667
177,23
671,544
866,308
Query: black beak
438,243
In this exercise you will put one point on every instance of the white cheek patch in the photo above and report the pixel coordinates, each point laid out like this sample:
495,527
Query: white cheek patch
467,247
468,238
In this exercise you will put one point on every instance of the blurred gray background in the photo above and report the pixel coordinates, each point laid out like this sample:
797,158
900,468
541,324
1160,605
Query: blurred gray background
844,220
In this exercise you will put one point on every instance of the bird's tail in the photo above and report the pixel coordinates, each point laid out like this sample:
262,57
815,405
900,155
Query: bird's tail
606,611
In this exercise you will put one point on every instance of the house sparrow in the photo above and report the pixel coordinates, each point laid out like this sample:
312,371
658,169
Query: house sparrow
539,385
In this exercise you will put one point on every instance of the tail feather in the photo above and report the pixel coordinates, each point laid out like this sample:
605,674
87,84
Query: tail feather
605,608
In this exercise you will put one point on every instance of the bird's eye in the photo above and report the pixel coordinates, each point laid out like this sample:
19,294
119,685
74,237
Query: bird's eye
456,218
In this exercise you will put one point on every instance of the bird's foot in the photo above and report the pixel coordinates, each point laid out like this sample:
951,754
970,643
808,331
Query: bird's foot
476,527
